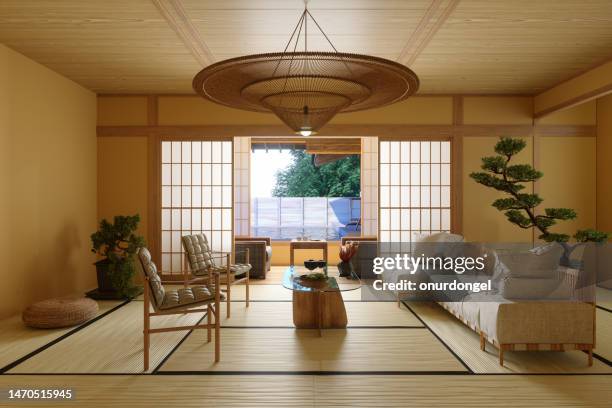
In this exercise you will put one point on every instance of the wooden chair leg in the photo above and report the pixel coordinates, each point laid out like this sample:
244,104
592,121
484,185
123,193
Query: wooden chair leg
146,325
248,277
217,333
482,341
217,310
229,287
247,289
209,318
501,355
590,357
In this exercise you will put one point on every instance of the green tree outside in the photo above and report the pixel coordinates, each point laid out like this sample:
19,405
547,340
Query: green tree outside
302,179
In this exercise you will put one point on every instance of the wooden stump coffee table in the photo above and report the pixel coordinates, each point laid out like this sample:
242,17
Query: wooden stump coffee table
319,304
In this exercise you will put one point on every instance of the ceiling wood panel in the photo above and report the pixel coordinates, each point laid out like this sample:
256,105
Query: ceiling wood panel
520,46
455,46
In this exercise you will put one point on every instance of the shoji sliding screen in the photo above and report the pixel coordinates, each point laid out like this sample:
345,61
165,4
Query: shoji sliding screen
242,178
415,189
196,197
369,186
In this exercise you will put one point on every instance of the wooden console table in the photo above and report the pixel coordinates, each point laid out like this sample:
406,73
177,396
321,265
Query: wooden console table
295,244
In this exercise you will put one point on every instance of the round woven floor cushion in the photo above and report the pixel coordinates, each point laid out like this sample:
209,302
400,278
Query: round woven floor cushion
61,312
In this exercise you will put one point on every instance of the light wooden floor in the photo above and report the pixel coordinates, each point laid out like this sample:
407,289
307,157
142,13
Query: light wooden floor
604,298
17,340
290,350
280,314
323,391
111,345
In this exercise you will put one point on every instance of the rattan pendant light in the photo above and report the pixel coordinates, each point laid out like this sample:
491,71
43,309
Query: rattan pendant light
306,89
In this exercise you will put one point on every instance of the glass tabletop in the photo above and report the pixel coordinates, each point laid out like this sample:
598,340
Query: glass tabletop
295,278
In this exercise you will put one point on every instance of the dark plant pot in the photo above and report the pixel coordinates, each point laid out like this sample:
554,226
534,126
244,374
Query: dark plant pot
102,272
345,269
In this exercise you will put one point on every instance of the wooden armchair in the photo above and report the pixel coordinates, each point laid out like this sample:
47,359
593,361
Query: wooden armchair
178,301
202,263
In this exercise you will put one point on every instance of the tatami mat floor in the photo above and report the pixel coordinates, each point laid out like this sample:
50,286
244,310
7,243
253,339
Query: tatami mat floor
18,340
381,337
290,350
110,345
280,314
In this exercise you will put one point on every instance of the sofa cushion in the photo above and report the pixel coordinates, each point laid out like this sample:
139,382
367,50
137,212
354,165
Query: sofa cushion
435,244
539,262
268,253
536,289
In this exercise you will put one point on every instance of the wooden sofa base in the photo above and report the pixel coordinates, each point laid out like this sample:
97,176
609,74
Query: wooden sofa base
588,348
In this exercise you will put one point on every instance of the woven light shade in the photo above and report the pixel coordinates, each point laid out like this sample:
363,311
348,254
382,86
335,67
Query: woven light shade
306,89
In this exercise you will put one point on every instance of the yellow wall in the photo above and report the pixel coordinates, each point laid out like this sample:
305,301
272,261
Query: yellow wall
495,110
47,183
280,254
122,110
604,163
584,114
568,164
122,178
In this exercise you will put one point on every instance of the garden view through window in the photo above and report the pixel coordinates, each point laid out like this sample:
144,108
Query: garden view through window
297,194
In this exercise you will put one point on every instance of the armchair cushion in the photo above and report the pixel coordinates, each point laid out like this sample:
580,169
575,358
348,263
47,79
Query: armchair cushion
240,269
186,296
199,253
150,270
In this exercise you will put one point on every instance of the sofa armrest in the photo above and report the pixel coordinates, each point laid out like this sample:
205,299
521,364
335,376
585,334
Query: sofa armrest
257,256
546,322
268,240
358,238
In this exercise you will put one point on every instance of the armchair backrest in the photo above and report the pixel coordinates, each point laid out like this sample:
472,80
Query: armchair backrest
150,271
199,254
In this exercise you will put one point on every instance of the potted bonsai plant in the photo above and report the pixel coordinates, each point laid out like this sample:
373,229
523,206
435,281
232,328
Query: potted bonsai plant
519,207
116,243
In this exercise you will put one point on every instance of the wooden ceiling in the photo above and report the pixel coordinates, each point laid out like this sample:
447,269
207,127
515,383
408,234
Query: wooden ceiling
455,46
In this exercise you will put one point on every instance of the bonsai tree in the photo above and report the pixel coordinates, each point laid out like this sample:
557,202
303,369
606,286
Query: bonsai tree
117,243
519,207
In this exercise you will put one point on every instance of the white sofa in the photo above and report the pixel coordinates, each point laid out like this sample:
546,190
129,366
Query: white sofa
516,324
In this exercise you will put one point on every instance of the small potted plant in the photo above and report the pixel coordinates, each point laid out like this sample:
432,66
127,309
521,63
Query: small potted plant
116,243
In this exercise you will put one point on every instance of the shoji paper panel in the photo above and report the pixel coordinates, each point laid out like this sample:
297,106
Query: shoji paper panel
369,185
415,189
196,197
242,157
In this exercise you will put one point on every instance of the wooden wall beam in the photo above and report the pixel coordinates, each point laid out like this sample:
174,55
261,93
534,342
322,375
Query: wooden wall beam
176,17
457,167
382,131
427,28
590,85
